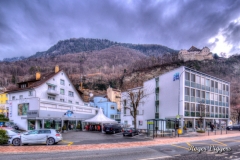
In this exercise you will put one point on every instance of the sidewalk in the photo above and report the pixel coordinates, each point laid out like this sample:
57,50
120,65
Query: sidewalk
157,141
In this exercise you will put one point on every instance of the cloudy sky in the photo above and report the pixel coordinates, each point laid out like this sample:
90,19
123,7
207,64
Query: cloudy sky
29,26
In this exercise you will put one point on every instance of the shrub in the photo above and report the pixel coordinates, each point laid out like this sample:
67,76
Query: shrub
201,131
3,137
78,126
64,128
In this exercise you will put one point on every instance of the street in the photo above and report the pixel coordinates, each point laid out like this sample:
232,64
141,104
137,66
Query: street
168,151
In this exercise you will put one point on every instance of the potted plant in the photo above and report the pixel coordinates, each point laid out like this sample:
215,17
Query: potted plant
79,127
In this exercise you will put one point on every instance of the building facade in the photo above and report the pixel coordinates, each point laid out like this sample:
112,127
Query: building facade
109,108
115,96
47,101
187,95
3,102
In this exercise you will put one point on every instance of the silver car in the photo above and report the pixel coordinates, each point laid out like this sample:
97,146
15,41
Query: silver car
41,136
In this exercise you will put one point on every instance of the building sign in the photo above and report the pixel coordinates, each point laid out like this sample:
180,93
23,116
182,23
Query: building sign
69,113
32,113
150,122
176,76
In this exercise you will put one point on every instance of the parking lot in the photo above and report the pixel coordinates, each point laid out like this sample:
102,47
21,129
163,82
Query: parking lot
85,137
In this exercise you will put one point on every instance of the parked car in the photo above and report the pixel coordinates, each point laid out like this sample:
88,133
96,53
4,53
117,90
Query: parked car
112,128
49,136
11,133
12,125
234,127
130,132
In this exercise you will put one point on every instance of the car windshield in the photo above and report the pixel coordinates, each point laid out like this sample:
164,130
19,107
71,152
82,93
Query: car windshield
15,131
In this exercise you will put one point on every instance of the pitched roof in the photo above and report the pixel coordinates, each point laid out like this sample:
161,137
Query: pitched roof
193,49
32,82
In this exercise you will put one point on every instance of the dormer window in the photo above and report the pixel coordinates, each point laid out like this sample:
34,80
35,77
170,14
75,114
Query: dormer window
23,85
50,87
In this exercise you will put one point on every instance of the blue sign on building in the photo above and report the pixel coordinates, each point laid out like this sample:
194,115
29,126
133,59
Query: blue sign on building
69,113
176,76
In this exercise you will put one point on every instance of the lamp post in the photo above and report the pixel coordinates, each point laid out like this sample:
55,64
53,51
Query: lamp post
179,78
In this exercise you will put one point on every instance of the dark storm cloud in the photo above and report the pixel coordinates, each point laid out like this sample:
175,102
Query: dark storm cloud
232,33
30,26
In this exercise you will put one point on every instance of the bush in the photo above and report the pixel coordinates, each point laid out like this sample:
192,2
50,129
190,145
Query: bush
78,126
200,131
3,137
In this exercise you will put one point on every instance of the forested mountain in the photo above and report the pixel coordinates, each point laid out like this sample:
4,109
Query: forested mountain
86,44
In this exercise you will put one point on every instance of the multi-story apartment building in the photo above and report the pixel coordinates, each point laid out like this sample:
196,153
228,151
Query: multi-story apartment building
47,101
186,95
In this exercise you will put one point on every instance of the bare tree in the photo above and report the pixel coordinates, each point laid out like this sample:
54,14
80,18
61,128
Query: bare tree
235,113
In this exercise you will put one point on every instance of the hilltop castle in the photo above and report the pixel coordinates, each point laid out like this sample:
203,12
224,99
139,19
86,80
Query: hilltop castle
195,54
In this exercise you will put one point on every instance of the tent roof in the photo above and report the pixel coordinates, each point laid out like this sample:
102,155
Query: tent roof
100,118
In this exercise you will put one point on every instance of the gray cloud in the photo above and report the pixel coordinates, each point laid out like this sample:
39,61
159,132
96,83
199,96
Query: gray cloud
30,26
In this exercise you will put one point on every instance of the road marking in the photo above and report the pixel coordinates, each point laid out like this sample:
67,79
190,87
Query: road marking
219,142
188,144
156,158
69,142
180,147
236,152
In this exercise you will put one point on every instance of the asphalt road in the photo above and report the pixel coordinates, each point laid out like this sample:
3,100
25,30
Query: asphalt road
178,151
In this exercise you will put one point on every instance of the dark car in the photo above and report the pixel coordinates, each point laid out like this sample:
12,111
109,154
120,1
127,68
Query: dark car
233,127
112,128
130,132
12,125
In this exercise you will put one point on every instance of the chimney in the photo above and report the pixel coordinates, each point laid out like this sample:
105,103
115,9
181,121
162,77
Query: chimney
38,75
56,68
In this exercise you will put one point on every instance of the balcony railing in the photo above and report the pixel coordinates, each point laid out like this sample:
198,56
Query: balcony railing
207,101
216,115
212,102
198,86
192,99
52,92
187,98
212,89
212,115
192,114
203,87
193,84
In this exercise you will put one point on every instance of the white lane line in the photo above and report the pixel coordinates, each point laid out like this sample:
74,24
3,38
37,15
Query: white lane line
156,158
236,152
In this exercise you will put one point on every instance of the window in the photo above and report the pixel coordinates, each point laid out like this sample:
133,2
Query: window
198,93
137,112
23,86
13,97
215,97
30,93
125,122
21,97
187,76
192,107
211,96
193,92
220,98
157,109
202,81
226,88
220,86
212,109
193,78
212,84
140,123
216,109
62,91
157,81
186,106
216,85
62,100
198,79
187,91
125,102
69,101
208,82
112,116
70,93
132,122
112,107
125,111
77,102
51,98
207,96
62,82
157,96
207,108
203,94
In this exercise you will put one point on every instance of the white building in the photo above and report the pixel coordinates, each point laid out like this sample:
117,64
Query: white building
44,101
184,92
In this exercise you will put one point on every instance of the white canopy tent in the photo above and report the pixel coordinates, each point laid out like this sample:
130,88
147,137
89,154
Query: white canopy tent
101,118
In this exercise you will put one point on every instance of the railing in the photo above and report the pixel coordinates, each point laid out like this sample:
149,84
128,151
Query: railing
203,87
52,92
192,99
187,83
212,102
187,98
207,101
193,84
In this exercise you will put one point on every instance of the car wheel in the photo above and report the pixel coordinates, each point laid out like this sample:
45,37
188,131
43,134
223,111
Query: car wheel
16,142
51,141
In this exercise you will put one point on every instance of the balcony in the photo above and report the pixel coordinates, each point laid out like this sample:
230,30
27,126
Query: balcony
187,83
52,92
157,90
156,103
